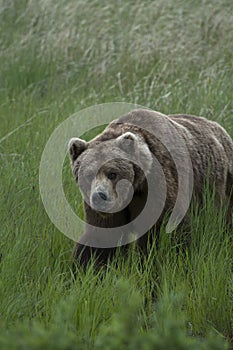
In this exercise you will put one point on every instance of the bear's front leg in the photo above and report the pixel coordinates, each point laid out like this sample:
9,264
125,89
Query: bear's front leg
85,254
81,256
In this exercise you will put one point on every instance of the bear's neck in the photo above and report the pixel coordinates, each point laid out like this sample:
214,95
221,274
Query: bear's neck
99,219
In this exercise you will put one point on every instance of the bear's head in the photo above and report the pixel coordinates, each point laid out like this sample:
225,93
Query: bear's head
109,172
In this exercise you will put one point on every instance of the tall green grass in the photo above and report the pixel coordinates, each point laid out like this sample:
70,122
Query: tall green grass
55,59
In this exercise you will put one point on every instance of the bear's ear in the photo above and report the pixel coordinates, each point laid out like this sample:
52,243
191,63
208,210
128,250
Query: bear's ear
127,141
136,146
75,147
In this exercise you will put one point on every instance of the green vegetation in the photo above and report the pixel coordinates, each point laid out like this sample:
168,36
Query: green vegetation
57,58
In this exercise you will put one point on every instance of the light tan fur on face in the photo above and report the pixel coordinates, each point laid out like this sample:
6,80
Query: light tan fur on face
117,190
102,184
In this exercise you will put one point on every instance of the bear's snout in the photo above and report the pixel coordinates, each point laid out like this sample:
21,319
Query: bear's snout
99,199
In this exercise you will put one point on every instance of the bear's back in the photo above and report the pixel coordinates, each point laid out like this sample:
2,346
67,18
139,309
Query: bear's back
209,130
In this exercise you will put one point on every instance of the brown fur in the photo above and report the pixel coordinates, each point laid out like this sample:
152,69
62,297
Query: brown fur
210,149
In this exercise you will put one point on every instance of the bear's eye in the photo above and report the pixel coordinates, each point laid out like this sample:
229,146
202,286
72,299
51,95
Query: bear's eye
78,163
112,176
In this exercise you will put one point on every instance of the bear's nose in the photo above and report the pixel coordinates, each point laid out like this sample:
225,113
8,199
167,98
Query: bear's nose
102,195
97,197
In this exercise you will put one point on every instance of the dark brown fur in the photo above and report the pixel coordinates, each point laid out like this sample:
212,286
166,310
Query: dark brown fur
211,152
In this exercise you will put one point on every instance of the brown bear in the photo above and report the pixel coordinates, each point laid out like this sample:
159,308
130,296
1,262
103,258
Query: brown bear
146,154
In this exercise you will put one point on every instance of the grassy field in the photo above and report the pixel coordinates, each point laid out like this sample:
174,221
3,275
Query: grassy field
56,59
